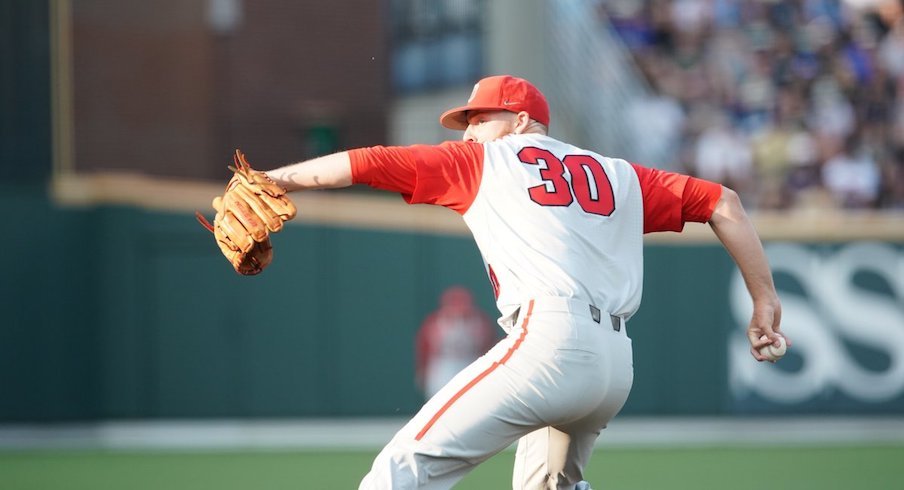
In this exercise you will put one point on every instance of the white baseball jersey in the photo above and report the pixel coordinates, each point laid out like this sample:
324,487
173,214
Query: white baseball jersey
550,219
559,229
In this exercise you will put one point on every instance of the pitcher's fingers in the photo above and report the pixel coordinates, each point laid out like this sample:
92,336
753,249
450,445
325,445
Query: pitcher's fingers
756,355
756,339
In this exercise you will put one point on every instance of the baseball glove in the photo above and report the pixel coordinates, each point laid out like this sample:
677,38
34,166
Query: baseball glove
252,207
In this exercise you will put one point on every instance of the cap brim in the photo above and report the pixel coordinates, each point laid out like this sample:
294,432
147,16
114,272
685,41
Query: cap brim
455,118
458,118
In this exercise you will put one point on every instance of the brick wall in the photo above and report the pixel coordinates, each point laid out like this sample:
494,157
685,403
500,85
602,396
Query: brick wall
157,90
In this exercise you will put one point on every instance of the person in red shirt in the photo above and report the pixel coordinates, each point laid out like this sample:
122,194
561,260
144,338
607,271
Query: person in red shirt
450,339
560,232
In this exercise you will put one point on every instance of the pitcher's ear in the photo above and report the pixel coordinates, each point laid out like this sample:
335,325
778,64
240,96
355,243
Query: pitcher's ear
522,121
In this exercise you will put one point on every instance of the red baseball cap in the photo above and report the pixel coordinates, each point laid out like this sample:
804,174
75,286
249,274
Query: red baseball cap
502,92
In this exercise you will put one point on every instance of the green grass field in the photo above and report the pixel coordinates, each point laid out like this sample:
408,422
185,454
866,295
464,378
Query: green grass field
844,467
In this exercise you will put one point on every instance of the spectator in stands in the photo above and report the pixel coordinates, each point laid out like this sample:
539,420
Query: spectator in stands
852,176
817,85
723,154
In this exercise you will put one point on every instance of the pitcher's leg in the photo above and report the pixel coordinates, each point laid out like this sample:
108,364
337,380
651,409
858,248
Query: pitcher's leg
549,458
405,464
479,413
555,457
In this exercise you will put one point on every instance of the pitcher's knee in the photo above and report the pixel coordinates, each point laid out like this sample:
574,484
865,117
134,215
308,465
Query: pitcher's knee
394,467
414,466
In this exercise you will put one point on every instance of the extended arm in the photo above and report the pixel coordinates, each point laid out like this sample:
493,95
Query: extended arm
326,172
734,229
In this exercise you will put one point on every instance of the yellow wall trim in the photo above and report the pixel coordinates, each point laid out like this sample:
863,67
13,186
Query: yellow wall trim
390,213
334,208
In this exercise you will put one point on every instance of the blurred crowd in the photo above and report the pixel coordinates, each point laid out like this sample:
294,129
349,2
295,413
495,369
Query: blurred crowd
796,104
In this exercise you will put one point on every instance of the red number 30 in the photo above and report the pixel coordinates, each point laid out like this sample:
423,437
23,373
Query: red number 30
589,183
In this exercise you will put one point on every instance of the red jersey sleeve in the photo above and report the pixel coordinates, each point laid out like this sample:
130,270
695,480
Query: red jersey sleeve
446,175
670,200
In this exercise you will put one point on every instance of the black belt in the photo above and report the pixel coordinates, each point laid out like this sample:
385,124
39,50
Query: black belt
597,316
574,305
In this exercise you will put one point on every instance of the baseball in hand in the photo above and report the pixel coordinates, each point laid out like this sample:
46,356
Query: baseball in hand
772,352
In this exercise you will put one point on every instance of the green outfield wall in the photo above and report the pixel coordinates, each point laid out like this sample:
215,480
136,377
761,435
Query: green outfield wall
111,310
120,312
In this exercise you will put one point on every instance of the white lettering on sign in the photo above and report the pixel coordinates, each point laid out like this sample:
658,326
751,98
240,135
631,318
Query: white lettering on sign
830,312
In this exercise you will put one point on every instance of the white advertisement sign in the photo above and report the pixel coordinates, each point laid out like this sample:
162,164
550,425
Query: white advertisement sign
829,315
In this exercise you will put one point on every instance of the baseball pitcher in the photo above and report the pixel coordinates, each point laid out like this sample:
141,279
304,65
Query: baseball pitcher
560,231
